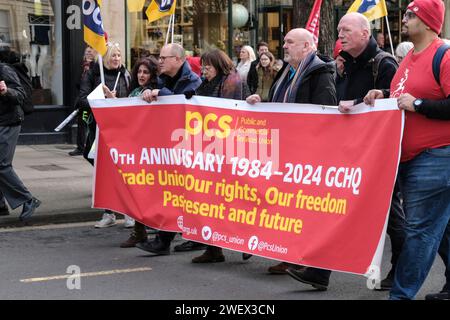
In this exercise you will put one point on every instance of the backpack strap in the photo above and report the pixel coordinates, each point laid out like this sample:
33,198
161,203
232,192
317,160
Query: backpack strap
437,59
376,61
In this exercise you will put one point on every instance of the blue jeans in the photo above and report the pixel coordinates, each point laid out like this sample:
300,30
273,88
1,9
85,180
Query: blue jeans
425,186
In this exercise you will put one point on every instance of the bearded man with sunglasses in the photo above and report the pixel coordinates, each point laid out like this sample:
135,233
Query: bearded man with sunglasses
424,171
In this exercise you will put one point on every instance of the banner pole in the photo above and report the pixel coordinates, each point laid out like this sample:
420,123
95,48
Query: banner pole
390,37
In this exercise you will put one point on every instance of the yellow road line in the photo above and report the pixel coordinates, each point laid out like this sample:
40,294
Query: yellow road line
88,274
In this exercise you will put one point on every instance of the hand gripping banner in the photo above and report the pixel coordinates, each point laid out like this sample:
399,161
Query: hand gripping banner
297,183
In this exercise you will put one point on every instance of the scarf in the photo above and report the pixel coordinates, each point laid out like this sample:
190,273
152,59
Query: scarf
294,78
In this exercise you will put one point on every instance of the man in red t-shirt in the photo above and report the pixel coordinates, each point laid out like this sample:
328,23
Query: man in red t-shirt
424,171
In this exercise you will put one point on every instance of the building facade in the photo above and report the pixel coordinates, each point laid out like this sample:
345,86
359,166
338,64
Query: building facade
47,35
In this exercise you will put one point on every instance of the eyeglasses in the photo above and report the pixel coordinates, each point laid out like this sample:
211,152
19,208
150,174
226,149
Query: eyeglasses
409,15
112,44
162,59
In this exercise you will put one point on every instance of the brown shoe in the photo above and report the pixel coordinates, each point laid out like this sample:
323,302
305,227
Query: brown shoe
282,267
138,235
211,255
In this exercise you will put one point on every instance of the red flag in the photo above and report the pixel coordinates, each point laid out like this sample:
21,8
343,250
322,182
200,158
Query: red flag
313,24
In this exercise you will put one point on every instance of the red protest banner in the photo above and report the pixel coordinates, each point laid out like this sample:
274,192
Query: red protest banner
297,183
313,23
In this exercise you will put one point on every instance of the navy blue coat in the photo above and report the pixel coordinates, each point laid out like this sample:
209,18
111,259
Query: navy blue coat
188,81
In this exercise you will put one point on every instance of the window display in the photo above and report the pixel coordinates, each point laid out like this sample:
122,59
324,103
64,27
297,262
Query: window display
28,30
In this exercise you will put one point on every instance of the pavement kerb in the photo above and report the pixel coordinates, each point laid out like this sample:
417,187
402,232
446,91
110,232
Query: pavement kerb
45,218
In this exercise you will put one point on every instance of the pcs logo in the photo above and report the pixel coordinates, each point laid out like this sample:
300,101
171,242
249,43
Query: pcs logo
211,124
164,5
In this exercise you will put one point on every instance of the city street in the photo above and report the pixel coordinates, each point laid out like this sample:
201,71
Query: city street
30,257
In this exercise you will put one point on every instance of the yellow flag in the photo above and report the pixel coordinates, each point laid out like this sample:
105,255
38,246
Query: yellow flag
160,8
94,35
372,9
135,5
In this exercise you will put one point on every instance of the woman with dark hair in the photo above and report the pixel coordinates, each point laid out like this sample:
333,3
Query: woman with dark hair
144,76
221,81
221,78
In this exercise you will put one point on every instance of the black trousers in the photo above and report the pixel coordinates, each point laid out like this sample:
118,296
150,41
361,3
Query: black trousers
166,237
395,230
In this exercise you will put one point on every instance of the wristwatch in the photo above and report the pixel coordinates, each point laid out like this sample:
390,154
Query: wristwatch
417,105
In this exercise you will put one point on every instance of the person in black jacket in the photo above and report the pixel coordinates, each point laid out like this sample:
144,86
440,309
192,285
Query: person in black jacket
305,78
359,49
176,78
11,116
221,81
89,58
112,62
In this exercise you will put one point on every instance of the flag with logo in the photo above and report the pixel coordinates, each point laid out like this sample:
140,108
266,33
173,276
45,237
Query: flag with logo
94,35
135,5
160,8
372,9
313,24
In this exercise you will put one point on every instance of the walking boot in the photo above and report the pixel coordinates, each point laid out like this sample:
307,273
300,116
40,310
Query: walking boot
280,268
138,235
246,256
318,278
156,246
211,254
189,246
443,295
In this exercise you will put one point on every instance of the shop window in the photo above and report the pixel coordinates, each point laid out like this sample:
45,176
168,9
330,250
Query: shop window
199,24
5,38
31,31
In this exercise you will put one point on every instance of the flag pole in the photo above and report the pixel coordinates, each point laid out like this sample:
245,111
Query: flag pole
390,37
168,29
100,63
173,24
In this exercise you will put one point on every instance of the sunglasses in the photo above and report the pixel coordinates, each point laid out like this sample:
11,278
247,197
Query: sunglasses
409,15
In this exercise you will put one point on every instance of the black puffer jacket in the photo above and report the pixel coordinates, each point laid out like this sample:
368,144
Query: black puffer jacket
88,83
318,85
252,77
11,113
358,73
92,79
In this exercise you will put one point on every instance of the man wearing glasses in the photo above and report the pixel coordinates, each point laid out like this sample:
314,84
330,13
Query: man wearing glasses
424,171
176,77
